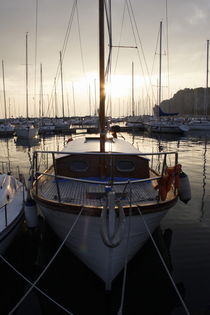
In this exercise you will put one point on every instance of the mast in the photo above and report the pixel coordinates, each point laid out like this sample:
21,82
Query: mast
41,94
5,105
73,98
160,64
95,112
133,89
101,76
62,84
207,81
55,96
89,100
27,75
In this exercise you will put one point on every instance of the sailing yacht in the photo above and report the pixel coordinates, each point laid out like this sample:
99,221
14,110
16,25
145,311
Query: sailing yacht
203,123
101,194
6,129
11,205
160,124
26,130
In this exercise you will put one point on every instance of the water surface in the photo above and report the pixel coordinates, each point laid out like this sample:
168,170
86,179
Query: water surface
186,231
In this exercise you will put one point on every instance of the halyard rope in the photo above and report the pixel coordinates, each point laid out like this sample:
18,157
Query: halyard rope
47,266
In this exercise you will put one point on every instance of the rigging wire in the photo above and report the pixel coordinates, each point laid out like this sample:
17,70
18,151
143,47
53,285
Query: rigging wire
80,40
128,5
167,48
63,50
119,42
142,50
48,265
35,61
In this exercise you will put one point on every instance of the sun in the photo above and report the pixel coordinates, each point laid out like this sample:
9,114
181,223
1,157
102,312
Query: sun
119,86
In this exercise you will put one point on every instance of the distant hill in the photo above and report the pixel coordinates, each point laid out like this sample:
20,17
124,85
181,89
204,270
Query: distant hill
187,101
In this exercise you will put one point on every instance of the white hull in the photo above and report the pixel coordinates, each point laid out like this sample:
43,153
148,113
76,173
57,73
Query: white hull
168,129
200,128
9,233
86,242
11,215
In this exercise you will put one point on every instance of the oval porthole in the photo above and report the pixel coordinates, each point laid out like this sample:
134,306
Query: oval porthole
79,166
125,166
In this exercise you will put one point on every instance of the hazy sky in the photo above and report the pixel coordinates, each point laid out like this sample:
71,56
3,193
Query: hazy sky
183,59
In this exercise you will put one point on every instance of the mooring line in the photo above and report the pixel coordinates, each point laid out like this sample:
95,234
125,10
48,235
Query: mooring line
31,283
164,264
47,266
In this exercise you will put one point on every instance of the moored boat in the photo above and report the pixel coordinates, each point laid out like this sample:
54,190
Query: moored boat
199,125
11,209
167,126
101,194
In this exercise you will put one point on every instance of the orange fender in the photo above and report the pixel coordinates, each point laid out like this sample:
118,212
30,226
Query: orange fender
165,183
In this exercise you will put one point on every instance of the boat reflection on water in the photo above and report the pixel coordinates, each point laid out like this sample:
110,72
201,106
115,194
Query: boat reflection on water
204,179
27,142
167,137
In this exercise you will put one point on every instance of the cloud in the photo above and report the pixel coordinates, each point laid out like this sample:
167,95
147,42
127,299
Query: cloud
197,16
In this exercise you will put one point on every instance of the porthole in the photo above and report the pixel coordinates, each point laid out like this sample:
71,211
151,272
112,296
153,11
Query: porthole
125,166
79,166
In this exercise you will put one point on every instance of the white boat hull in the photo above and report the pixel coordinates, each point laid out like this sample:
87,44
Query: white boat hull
86,242
200,127
169,129
11,210
9,233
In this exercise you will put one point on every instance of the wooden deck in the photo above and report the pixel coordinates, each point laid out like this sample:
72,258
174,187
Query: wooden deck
88,194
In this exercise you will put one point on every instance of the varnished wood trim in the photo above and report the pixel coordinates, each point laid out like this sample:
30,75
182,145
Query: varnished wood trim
96,211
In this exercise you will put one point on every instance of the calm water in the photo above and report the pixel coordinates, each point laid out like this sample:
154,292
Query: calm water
184,234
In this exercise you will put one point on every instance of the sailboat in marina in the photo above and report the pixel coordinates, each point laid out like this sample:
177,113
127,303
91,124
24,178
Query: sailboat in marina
12,197
26,130
101,195
164,123
6,129
203,124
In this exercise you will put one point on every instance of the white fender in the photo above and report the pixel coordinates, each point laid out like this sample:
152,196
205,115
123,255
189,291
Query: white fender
184,188
30,211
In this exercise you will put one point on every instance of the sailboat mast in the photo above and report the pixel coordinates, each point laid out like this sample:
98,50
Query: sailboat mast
133,113
55,96
5,105
160,64
61,68
101,76
27,75
41,93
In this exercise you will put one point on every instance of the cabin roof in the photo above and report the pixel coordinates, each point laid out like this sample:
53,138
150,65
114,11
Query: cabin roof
92,144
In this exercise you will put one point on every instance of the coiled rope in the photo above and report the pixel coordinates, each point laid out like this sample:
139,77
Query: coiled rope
115,239
48,265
